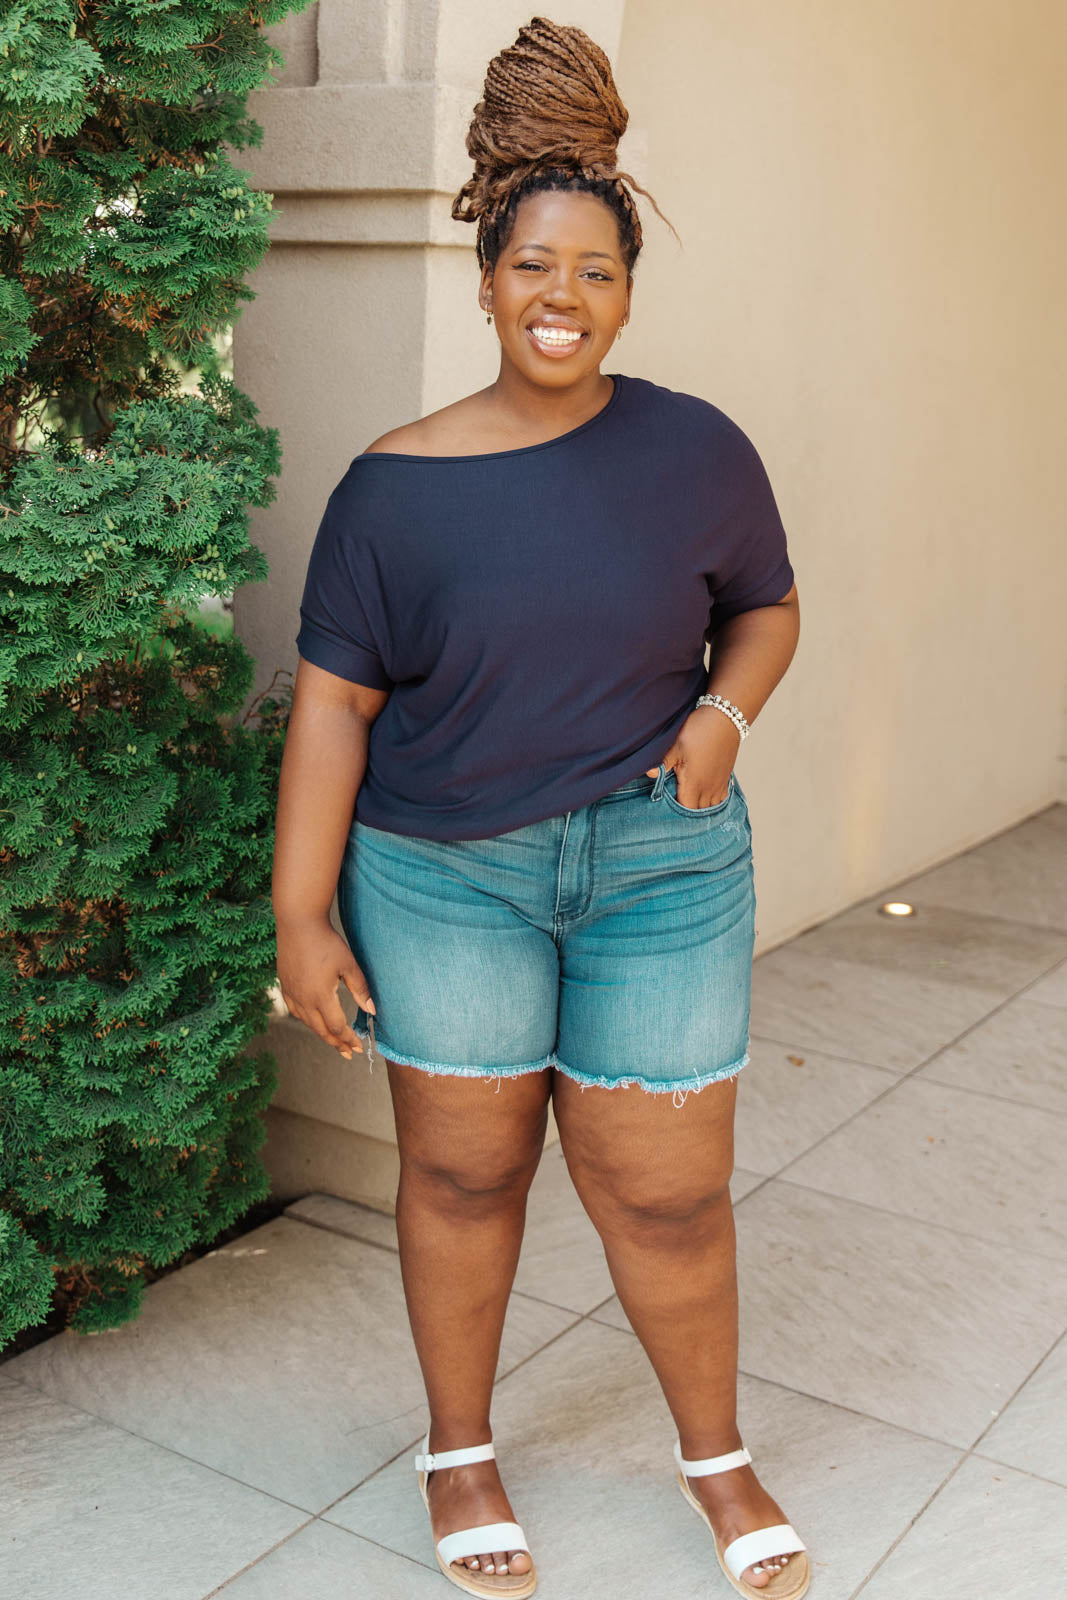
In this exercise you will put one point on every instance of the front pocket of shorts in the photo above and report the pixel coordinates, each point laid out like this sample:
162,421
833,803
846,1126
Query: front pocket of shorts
696,811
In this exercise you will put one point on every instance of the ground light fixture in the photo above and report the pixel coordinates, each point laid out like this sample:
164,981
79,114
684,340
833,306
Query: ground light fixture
896,908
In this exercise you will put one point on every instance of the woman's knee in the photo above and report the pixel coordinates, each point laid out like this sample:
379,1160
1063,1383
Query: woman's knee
470,1180
660,1203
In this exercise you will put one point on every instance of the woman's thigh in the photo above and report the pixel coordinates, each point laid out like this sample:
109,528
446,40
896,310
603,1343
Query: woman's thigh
637,1157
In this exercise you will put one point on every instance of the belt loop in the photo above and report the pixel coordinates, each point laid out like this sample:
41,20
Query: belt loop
657,787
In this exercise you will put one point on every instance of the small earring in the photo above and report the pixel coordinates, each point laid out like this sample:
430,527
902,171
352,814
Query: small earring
621,327
489,314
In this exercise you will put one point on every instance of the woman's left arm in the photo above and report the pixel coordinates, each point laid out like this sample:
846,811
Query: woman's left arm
749,657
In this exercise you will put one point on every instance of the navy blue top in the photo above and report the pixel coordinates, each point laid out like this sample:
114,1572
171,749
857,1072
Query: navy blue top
539,614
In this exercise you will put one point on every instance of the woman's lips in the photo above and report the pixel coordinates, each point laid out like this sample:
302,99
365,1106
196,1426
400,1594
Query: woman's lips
555,350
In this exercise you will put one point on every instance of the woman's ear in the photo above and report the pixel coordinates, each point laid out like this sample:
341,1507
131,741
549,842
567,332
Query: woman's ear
485,289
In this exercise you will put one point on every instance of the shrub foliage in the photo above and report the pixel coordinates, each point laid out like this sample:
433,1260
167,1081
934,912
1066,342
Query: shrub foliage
136,802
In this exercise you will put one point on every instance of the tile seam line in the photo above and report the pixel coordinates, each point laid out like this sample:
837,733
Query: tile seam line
182,1455
392,1250
882,1421
899,891
341,1233
905,1216
890,1088
971,1450
949,1044
913,1072
254,1562
417,1440
361,1537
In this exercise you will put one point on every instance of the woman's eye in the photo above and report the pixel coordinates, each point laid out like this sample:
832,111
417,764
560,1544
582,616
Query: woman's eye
605,277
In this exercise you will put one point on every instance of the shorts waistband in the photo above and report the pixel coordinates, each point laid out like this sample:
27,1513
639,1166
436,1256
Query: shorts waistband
631,786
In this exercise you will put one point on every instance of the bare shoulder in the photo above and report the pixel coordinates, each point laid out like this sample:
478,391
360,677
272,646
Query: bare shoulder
452,430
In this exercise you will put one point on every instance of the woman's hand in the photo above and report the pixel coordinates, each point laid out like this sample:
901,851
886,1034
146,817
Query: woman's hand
702,756
312,960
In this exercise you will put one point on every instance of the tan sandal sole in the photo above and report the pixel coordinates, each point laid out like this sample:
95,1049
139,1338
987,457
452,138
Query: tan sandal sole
777,1588
515,1586
469,1584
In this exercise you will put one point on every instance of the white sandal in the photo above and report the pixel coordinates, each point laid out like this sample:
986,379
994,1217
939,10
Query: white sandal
790,1581
475,1541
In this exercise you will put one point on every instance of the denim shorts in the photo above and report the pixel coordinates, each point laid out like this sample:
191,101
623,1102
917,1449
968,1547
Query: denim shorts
613,942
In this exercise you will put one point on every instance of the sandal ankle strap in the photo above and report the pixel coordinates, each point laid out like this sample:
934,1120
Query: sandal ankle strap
709,1464
427,1462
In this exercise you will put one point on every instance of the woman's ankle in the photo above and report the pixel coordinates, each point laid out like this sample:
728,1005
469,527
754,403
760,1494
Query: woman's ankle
458,1433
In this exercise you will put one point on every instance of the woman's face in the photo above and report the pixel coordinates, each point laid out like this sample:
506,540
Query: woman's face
560,274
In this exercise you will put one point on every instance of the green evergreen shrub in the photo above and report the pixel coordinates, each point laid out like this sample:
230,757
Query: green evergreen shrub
136,804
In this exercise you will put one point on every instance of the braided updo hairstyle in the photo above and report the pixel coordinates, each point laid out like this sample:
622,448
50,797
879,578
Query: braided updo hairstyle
550,117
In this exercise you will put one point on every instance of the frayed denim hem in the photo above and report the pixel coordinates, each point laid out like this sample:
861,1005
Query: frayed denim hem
678,1087
447,1069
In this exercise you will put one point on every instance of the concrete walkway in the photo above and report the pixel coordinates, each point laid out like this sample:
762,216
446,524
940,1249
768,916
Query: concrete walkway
902,1231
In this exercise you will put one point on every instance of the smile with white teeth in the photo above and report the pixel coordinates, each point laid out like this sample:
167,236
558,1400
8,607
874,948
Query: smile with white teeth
545,334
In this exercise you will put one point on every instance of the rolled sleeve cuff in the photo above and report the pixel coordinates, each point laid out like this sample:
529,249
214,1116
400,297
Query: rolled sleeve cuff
343,658
769,592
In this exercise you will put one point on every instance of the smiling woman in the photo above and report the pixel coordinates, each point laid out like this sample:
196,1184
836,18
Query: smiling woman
502,757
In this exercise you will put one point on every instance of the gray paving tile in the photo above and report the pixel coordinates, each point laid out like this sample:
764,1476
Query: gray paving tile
1021,873
901,1320
323,1560
1031,1431
88,1509
990,1532
986,1166
789,1099
742,1183
877,1017
989,954
346,1217
283,1359
1051,990
562,1258
1017,1054
584,1441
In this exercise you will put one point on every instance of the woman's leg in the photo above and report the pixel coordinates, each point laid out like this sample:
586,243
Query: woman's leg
654,1178
468,1151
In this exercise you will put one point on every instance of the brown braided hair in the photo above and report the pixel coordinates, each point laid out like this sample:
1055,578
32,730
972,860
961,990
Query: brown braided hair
550,117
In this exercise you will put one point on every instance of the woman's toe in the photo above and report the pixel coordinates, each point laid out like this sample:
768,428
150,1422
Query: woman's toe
518,1561
500,1560
757,1575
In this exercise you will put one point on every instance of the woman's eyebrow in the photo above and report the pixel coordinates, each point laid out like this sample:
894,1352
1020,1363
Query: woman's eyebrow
547,248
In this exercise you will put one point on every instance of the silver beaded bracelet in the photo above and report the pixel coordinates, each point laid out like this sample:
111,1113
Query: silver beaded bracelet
736,717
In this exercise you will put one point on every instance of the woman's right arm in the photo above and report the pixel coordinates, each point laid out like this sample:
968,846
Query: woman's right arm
323,763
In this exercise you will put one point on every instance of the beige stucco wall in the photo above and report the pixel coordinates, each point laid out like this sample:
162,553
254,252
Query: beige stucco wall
870,203
873,244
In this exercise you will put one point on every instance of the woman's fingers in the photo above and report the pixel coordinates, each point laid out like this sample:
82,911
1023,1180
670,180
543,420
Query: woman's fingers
356,984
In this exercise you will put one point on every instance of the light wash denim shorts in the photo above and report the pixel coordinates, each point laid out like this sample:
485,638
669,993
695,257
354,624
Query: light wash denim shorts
613,942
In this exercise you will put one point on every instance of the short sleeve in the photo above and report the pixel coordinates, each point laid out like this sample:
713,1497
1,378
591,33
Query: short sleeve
751,564
341,611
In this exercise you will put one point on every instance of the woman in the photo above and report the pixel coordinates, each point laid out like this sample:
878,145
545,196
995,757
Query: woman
547,881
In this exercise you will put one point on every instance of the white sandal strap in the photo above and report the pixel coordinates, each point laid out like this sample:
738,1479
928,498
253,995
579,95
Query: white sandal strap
425,1462
710,1464
481,1541
750,1547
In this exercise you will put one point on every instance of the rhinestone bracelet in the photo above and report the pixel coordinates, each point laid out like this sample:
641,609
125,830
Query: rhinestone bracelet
736,717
